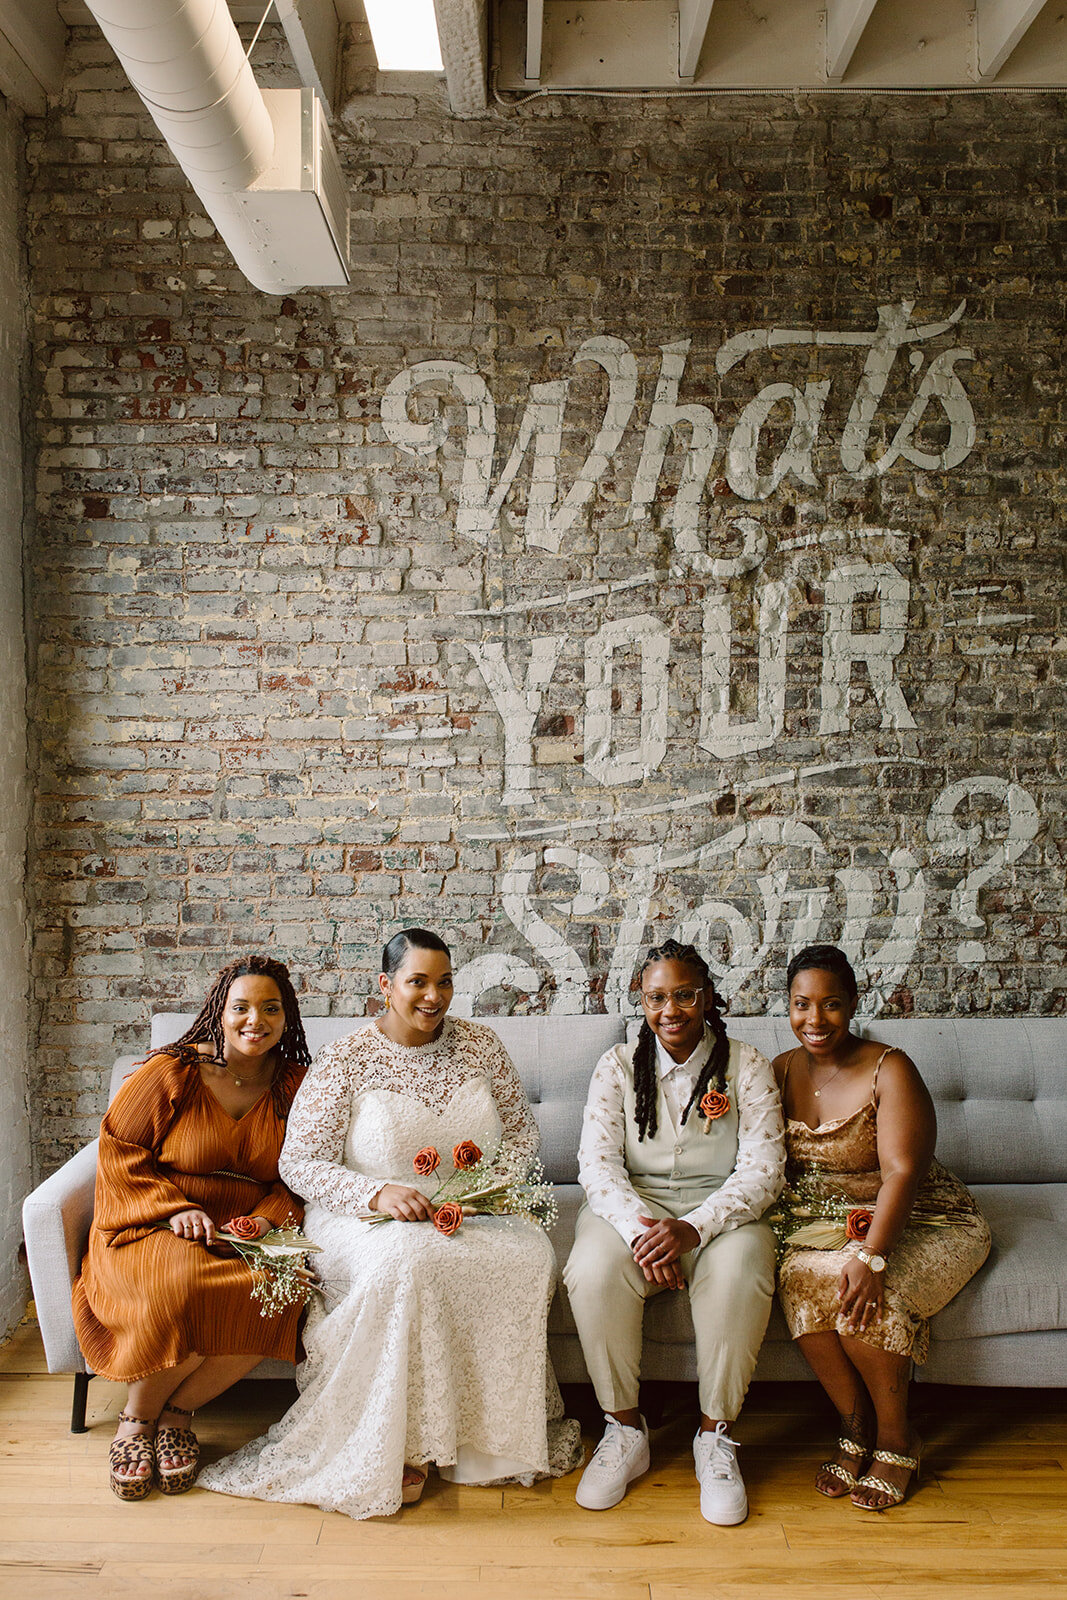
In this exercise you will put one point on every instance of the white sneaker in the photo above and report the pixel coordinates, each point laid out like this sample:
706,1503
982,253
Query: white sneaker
619,1458
722,1490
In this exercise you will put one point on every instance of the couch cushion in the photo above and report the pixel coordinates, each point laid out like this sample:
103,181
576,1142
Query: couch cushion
555,1057
1023,1286
998,1085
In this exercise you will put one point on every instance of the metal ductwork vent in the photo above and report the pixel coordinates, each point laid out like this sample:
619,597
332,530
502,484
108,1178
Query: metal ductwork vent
262,163
299,205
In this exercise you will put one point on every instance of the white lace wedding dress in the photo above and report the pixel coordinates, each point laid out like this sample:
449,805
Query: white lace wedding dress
423,1348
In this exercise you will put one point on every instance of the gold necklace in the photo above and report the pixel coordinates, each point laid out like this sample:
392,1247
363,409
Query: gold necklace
240,1082
818,1092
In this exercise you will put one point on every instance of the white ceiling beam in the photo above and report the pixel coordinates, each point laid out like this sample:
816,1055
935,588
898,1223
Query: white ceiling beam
535,36
463,29
17,82
313,32
845,22
693,19
38,36
1000,24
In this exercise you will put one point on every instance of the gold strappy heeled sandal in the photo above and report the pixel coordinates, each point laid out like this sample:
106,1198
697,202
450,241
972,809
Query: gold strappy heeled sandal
131,1452
894,1491
171,1441
836,1469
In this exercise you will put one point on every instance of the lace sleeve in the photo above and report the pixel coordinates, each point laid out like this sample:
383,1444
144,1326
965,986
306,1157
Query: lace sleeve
312,1158
521,1134
602,1170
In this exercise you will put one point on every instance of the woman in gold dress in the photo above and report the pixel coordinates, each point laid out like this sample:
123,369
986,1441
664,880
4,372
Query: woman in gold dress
861,1128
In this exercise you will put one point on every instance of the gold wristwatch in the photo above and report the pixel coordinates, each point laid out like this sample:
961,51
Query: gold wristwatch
870,1259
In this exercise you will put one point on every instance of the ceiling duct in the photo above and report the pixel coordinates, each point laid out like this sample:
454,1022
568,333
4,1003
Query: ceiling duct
263,167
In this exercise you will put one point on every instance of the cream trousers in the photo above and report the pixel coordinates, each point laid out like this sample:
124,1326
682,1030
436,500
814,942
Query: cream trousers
731,1286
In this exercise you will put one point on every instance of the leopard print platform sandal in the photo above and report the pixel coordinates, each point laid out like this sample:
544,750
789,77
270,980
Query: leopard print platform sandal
133,1451
171,1441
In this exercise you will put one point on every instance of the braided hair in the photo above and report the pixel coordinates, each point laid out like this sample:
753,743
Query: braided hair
207,1028
713,1072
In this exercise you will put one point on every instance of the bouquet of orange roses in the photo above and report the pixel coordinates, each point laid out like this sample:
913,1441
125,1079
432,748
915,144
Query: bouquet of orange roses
278,1261
828,1219
500,1184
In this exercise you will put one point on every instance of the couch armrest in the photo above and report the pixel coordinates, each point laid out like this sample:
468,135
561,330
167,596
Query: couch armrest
55,1219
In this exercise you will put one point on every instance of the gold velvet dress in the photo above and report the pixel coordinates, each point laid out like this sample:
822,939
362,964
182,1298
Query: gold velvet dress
926,1267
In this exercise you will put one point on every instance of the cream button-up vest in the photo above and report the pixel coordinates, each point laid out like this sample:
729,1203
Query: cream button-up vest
681,1166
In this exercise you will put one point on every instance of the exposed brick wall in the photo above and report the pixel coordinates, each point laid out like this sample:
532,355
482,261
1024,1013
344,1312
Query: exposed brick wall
15,1165
276,648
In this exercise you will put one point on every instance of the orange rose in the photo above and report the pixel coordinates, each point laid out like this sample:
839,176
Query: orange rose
466,1154
714,1105
243,1228
858,1223
447,1218
426,1161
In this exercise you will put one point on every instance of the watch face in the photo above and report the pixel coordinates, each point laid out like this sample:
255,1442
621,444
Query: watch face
876,1263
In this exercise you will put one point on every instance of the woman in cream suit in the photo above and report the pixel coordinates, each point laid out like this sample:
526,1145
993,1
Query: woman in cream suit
681,1153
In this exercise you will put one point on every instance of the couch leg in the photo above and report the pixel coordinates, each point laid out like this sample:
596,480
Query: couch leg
81,1395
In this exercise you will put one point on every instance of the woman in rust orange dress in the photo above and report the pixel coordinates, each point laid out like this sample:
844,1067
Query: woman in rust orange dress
189,1144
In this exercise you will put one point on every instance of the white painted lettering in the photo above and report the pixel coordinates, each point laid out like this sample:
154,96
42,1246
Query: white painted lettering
648,635
718,734
877,649
518,708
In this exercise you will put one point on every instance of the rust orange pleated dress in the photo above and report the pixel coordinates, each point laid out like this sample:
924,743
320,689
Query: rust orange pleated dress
146,1299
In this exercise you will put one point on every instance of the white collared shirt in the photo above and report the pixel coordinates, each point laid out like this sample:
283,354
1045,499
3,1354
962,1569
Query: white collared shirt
679,1078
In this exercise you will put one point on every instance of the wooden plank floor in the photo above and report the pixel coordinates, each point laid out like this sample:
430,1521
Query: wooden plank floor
989,1519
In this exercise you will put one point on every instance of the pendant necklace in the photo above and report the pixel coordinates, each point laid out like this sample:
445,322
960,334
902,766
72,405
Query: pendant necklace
240,1082
818,1092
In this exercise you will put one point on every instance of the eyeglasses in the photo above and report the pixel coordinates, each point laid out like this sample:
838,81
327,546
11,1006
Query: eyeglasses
656,999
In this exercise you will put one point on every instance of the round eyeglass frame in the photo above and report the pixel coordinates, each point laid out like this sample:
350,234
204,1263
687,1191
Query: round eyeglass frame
657,1000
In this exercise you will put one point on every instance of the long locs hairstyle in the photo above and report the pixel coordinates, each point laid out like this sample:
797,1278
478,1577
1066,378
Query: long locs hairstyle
713,1072
207,1028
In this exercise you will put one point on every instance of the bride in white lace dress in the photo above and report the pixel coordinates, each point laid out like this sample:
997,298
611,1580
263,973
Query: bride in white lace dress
423,1348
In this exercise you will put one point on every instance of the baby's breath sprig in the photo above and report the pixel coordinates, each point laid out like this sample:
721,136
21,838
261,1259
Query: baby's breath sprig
278,1264
503,1183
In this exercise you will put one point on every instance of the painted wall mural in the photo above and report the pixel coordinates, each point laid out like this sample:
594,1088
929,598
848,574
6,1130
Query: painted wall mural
663,532
744,571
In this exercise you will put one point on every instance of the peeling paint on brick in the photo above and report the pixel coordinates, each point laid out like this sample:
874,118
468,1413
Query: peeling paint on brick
622,551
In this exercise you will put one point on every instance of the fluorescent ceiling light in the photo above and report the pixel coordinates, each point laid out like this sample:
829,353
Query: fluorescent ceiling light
405,35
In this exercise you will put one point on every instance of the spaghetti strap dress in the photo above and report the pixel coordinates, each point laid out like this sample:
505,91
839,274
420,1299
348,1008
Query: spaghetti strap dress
146,1299
929,1264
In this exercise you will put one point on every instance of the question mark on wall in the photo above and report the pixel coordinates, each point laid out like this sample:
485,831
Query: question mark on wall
942,829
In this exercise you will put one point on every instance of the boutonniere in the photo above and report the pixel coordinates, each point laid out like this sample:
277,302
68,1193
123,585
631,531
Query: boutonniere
714,1105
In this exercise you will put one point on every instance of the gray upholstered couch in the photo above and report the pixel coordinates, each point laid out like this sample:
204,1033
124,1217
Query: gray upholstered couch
1001,1092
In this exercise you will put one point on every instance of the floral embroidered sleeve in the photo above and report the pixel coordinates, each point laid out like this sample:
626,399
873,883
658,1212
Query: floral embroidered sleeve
758,1174
312,1158
601,1154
